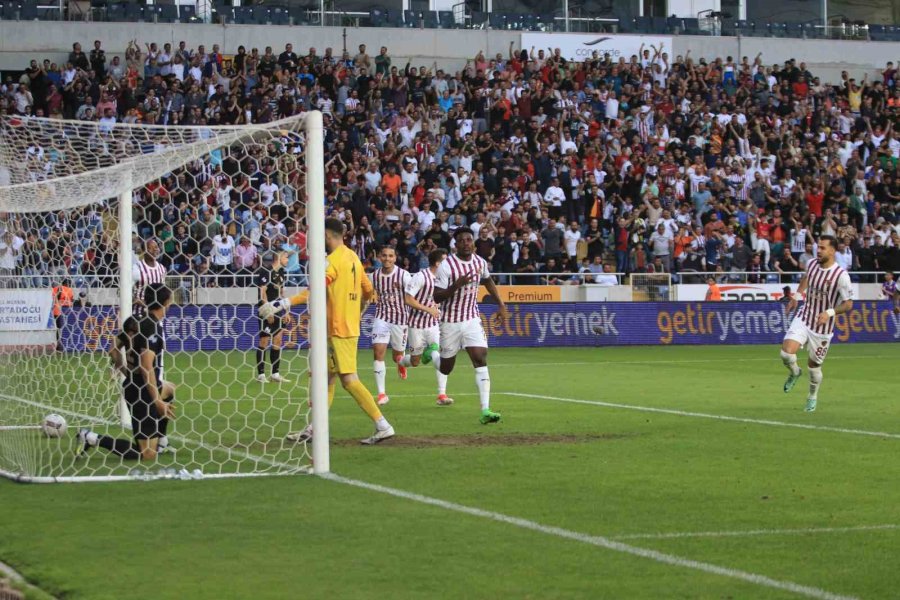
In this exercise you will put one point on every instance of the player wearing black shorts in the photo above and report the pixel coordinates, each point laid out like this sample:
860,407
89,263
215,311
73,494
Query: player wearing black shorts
271,285
138,354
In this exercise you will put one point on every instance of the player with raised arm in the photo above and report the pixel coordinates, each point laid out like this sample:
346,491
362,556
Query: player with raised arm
348,290
456,288
828,293
138,354
271,285
391,317
424,327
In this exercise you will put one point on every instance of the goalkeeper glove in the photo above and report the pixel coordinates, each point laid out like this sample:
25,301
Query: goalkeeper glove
270,309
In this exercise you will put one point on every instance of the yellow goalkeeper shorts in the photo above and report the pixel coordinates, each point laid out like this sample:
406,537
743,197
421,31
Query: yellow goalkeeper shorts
342,355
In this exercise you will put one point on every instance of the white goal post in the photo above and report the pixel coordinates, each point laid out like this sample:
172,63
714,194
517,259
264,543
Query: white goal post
78,200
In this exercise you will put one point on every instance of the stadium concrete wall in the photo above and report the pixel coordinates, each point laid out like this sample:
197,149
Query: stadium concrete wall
235,327
22,41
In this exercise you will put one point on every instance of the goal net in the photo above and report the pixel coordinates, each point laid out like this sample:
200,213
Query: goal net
85,209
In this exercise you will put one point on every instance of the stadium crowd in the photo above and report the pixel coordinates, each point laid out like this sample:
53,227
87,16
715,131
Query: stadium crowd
651,163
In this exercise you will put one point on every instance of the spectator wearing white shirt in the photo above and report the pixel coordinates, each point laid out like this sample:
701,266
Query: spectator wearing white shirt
10,249
571,238
373,177
268,192
554,198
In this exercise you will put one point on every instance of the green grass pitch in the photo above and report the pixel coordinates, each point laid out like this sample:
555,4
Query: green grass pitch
718,476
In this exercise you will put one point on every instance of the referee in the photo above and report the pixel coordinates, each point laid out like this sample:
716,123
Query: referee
270,281
138,354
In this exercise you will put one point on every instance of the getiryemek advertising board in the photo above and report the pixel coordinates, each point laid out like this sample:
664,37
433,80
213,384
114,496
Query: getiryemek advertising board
192,328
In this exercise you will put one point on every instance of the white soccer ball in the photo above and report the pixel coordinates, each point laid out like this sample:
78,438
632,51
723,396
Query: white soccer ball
54,426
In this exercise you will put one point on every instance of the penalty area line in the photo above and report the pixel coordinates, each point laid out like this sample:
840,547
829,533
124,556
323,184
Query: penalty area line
700,415
596,540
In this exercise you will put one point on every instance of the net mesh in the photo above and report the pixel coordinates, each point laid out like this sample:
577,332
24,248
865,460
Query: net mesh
199,193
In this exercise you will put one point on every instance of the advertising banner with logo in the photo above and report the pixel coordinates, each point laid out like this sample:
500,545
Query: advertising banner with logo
515,294
26,310
192,328
741,292
581,46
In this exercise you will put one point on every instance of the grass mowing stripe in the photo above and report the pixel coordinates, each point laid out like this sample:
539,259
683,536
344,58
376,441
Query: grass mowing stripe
751,532
596,540
686,413
670,362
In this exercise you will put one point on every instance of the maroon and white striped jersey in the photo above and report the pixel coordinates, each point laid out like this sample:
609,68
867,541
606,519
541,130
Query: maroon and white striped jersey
825,288
391,287
421,287
143,275
463,304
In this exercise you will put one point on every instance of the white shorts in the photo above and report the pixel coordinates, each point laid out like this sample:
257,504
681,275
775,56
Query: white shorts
817,344
457,336
388,333
419,339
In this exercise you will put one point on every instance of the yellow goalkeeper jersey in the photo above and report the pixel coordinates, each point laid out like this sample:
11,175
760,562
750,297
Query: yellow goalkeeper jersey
347,288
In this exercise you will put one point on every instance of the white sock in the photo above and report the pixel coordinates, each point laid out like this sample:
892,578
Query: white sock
483,381
382,424
815,380
163,442
790,361
92,438
406,361
436,359
442,383
379,375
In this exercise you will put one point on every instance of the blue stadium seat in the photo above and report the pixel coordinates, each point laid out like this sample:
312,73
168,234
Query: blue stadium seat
377,16
778,30
134,12
497,21
692,27
411,18
168,13
877,32
794,30
477,19
547,21
394,17
430,19
298,14
278,15
446,20
187,13
745,28
243,15
659,25
28,10
115,12
643,24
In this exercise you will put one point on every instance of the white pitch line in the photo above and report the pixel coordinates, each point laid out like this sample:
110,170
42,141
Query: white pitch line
596,540
685,413
751,532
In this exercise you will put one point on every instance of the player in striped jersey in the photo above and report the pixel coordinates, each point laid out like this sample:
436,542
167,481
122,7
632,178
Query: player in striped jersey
424,330
456,288
828,293
145,272
391,317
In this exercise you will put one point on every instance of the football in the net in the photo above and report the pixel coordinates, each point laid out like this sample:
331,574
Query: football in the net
54,426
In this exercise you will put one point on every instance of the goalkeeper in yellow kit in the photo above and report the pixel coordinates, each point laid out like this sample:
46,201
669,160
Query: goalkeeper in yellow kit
348,292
